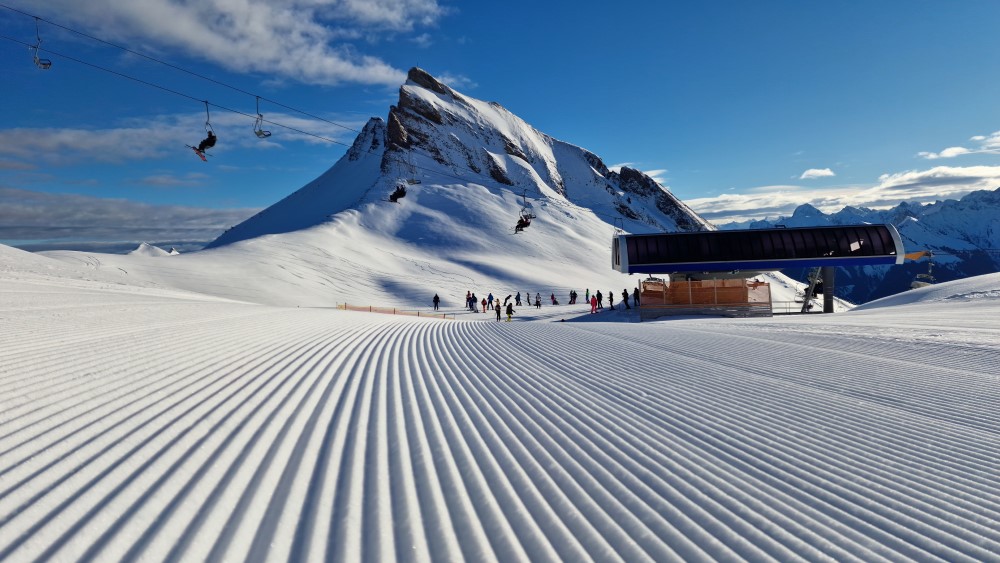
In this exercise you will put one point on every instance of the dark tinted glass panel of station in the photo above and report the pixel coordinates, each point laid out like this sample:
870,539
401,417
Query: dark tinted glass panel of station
769,244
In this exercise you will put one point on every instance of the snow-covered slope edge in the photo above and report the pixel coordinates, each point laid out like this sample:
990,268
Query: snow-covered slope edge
140,429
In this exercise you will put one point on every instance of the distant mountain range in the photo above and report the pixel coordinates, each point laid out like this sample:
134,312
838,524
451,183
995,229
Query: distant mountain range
963,236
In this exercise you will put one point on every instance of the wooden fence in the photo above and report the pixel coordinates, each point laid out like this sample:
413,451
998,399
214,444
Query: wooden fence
394,311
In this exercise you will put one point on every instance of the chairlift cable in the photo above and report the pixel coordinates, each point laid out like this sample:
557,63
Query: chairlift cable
177,93
175,67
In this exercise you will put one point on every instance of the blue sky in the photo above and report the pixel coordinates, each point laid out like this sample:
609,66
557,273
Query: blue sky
741,109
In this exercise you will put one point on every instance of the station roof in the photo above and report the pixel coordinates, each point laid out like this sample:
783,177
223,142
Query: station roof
756,250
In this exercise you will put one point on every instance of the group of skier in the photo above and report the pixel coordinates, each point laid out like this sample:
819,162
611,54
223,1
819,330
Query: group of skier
491,303
488,303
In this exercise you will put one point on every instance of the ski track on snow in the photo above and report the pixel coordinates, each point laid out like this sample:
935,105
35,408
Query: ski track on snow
219,431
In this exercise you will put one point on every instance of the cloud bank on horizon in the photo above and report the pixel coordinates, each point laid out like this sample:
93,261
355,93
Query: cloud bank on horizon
987,144
920,186
49,221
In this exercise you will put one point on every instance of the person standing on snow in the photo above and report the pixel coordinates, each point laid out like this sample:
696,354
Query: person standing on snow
484,304
593,303
510,311
625,298
635,296
498,310
600,299
489,300
611,299
538,301
436,301
517,299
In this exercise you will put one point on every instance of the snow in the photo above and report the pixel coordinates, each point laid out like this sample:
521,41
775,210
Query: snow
146,249
220,405
172,413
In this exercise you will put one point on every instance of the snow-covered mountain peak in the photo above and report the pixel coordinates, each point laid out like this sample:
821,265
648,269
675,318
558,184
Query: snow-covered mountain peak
437,138
806,212
471,170
146,249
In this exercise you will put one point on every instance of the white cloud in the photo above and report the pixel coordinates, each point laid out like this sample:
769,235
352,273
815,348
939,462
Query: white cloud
457,81
816,173
15,165
618,167
950,152
987,144
923,186
423,40
299,39
171,180
157,137
658,174
776,188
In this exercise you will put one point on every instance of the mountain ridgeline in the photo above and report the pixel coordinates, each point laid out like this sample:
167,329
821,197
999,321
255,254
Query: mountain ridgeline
437,138
962,235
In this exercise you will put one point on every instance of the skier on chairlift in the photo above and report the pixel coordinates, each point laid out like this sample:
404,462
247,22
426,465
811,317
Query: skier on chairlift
208,143
522,222
398,193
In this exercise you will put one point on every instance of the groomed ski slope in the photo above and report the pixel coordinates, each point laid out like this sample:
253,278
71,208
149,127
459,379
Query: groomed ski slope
139,423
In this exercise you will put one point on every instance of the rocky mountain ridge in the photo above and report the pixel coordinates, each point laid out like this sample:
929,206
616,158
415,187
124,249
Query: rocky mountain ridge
435,135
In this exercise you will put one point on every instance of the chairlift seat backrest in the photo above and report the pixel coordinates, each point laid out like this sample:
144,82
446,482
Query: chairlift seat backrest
44,64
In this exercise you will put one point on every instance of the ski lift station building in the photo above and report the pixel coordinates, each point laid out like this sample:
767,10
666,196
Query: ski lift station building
711,272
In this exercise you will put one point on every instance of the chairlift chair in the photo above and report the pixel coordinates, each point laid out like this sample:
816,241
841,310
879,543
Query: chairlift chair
522,223
258,125
44,64
412,179
258,128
